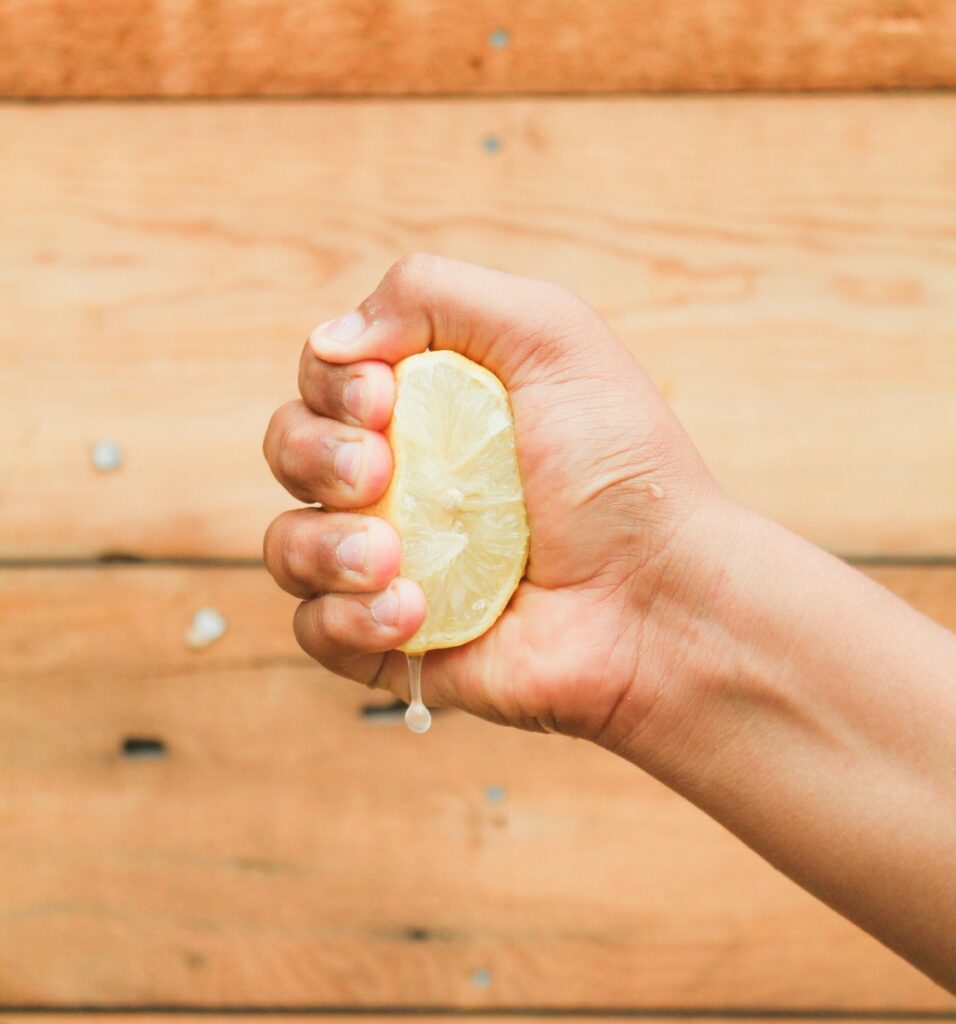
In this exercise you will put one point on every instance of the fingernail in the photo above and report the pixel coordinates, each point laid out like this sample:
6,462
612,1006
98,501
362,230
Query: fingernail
351,551
385,608
354,397
347,460
343,330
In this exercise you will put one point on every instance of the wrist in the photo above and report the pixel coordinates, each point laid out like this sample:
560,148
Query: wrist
703,632
810,712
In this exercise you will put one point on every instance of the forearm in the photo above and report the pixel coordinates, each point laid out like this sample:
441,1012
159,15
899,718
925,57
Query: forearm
817,721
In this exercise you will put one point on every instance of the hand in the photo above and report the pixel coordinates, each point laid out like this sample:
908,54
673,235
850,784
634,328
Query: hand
797,702
615,493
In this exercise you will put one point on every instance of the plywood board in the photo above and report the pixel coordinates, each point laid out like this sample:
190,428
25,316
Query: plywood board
161,266
289,850
405,1018
80,48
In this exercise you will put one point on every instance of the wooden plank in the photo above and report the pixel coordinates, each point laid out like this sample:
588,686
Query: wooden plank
288,851
795,302
386,1018
114,48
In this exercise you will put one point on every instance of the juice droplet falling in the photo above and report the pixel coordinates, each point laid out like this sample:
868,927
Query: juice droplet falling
418,718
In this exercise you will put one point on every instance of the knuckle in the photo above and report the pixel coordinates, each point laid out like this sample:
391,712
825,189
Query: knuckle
382,678
305,369
269,540
336,623
274,431
279,424
566,304
311,624
562,293
295,449
564,325
294,559
304,627
413,268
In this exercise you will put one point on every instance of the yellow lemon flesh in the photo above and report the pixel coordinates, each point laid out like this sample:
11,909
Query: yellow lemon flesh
455,497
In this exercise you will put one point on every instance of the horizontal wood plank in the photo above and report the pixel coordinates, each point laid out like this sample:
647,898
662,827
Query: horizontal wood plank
123,48
226,1017
288,851
160,267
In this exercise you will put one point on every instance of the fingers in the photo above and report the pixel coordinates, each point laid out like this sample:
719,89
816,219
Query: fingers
310,552
355,635
506,323
449,679
349,634
458,677
361,394
319,459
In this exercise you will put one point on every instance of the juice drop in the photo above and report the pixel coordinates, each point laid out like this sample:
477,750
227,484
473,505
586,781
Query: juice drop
418,718
656,490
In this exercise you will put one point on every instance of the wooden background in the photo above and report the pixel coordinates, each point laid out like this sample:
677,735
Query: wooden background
229,829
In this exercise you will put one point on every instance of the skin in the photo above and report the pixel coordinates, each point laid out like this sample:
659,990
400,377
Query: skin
793,699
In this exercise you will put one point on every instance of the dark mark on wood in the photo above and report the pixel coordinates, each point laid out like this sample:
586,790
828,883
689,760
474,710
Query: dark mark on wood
143,748
120,558
263,866
388,714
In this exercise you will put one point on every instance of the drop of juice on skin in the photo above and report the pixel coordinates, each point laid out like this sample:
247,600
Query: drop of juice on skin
656,490
418,718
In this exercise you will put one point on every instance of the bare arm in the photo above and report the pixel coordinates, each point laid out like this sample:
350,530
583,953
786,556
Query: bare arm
817,721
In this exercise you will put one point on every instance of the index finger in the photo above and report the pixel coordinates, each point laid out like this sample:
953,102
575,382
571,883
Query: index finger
361,393
506,323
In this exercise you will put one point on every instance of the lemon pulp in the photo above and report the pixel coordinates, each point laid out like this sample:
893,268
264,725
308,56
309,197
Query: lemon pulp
455,498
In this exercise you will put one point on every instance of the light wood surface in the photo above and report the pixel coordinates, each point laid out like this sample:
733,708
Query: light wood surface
160,266
288,850
232,827
386,1018
277,47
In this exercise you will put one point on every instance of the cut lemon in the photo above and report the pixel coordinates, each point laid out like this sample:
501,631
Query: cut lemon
455,497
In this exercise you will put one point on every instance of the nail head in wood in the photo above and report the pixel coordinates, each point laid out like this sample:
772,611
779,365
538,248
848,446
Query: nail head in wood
107,456
207,627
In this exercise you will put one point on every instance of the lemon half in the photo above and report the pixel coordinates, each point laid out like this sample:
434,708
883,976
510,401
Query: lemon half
455,497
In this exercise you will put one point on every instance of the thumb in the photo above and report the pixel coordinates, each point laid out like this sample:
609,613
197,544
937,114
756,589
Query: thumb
514,326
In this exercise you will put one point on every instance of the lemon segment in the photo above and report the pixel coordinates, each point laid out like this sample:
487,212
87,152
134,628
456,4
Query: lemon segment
455,497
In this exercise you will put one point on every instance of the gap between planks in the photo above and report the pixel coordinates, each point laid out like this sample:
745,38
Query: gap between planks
56,47
321,1013
398,98
119,561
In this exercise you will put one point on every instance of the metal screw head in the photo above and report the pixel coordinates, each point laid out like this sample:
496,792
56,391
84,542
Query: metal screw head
207,627
481,978
495,794
491,143
499,38
106,456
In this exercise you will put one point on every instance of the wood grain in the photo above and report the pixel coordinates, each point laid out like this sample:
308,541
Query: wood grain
386,1018
113,48
160,267
288,851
